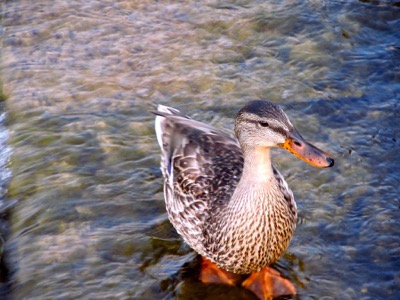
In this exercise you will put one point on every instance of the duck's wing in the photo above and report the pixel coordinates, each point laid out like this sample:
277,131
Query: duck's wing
201,166
285,190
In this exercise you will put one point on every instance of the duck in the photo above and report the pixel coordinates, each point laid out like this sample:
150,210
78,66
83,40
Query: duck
224,196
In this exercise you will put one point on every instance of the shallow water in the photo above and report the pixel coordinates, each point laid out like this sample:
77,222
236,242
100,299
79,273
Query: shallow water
88,218
5,175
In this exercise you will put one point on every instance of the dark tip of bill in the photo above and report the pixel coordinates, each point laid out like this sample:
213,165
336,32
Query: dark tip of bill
330,161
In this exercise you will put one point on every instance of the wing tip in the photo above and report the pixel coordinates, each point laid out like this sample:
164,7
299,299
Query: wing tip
163,110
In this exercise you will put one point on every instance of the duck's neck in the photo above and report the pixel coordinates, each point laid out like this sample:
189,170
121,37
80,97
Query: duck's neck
257,181
257,166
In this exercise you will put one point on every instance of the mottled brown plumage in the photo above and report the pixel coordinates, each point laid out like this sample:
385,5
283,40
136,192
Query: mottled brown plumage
222,194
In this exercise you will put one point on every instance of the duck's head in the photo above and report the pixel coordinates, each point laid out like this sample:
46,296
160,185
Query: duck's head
264,124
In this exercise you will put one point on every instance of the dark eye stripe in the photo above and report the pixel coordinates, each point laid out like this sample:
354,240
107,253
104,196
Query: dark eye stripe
279,130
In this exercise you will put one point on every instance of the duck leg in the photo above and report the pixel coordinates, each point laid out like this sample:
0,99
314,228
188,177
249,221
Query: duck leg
268,283
265,284
211,273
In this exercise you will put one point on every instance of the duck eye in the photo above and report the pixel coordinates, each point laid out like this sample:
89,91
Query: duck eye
263,124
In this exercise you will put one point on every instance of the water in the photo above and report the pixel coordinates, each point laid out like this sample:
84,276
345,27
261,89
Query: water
5,175
86,214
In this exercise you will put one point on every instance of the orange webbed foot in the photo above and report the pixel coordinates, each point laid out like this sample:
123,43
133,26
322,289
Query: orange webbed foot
268,283
265,284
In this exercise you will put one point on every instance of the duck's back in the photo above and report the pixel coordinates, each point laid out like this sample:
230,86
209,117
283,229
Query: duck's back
201,166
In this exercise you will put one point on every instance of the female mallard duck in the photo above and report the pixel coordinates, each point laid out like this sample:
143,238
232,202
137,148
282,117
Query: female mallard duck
222,194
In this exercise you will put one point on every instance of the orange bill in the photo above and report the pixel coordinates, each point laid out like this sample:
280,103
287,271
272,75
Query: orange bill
312,155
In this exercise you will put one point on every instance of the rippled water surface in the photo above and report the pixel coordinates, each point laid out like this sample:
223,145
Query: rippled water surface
85,208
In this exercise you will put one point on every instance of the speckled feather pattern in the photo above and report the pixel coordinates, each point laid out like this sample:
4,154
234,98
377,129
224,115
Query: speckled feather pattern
242,228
